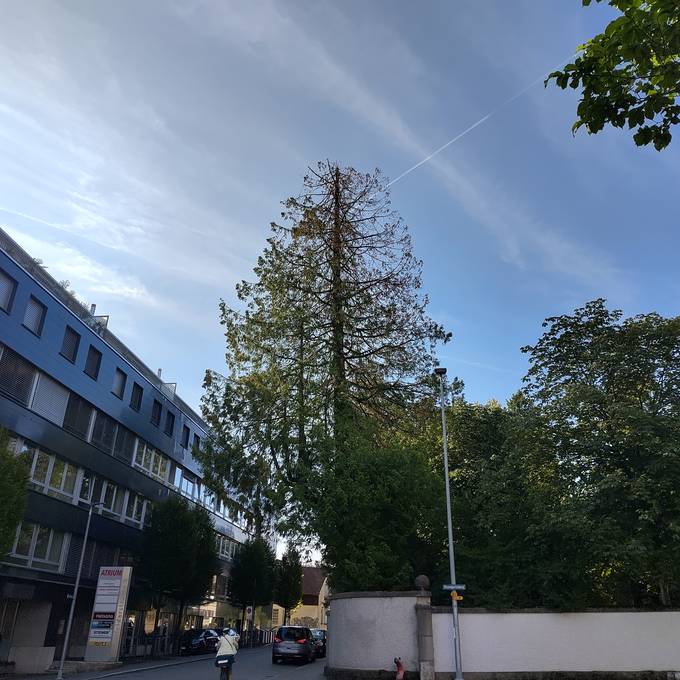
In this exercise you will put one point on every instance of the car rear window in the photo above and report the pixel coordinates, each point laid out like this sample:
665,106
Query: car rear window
291,634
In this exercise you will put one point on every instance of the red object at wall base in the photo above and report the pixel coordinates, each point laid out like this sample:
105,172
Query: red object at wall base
400,668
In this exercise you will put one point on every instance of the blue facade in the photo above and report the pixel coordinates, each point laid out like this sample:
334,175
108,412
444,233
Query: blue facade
87,442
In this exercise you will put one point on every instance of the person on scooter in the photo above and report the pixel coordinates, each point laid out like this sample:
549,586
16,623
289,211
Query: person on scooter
227,647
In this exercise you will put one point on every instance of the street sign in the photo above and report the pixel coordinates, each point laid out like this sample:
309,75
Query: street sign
455,596
457,586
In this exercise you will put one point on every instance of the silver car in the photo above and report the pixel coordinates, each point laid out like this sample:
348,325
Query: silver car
293,642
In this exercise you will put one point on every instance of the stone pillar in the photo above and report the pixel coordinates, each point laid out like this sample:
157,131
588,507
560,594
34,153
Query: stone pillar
425,641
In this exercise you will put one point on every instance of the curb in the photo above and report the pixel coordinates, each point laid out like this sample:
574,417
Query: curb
150,668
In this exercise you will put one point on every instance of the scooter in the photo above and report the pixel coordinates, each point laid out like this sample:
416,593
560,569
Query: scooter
225,663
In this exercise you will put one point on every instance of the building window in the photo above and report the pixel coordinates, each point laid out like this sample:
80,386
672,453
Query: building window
151,461
208,498
169,423
226,547
62,482
188,485
124,447
93,362
185,436
8,287
86,487
34,317
119,380
37,547
17,376
112,499
197,442
50,399
134,509
40,466
156,413
103,432
78,416
136,397
70,344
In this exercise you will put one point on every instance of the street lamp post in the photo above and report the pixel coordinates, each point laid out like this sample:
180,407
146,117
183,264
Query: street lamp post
441,372
67,637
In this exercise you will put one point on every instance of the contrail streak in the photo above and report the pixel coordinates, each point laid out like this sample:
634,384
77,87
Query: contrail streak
474,125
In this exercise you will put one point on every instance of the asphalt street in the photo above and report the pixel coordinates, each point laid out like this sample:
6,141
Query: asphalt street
253,664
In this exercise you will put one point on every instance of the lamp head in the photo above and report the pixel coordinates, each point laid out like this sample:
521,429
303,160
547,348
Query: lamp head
440,371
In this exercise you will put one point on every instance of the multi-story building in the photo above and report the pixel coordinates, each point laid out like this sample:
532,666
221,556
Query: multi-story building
98,426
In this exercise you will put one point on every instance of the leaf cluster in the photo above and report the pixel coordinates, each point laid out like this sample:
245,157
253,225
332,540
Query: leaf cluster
252,574
179,557
13,482
288,588
629,74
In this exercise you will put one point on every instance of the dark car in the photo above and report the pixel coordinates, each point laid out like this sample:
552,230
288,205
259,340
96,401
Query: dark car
199,641
320,642
293,642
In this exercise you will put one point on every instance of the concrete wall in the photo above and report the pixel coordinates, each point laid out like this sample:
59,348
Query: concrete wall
27,651
543,642
367,630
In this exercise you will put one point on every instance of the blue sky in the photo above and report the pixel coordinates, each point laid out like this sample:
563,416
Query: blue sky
145,147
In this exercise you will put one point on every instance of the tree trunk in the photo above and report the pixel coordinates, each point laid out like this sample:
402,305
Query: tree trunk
258,512
178,626
337,315
154,637
664,592
243,618
302,437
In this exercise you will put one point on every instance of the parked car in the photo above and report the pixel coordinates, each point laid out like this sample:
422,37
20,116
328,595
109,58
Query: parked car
320,641
199,641
293,642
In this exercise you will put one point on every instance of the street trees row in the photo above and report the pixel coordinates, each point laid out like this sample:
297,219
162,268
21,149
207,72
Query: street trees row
327,420
179,562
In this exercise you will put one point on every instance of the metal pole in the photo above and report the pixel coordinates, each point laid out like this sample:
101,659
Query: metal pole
441,372
67,637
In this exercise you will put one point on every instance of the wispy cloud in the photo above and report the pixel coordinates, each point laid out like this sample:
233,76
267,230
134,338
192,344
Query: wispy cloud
282,43
89,278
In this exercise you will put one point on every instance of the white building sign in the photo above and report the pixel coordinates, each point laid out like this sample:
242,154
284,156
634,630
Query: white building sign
108,614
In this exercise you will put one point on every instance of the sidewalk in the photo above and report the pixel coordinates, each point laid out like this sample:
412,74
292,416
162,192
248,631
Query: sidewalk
121,670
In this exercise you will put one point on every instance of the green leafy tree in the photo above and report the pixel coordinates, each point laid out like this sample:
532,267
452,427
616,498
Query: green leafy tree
288,590
630,73
523,537
609,389
179,557
252,575
13,481
381,517
333,328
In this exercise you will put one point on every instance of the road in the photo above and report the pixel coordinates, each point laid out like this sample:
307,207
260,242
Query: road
251,664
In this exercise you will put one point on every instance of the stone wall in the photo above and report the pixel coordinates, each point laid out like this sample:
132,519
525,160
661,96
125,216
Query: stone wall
366,631
540,642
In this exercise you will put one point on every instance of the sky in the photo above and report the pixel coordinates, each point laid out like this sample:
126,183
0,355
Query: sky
145,147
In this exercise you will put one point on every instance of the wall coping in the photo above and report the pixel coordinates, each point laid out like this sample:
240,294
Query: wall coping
380,593
481,610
